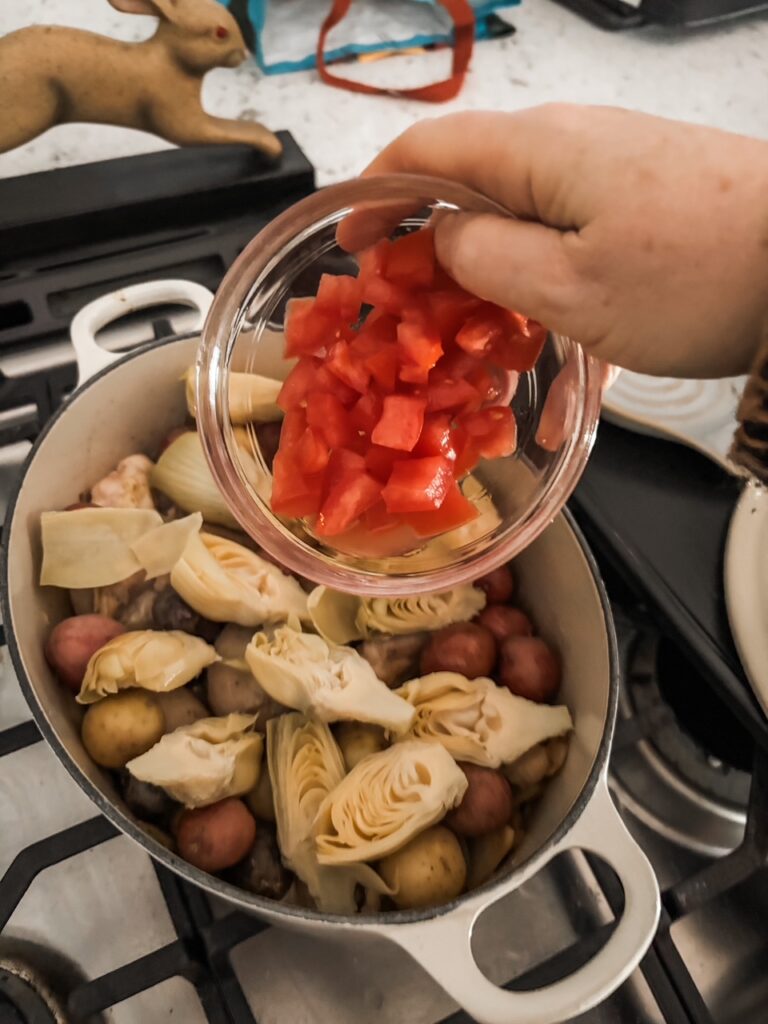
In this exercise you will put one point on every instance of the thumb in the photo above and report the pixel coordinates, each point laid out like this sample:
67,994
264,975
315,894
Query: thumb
516,264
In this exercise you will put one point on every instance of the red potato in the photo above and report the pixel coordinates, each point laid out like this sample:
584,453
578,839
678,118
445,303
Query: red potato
74,641
79,504
529,668
464,647
498,585
216,837
487,804
504,621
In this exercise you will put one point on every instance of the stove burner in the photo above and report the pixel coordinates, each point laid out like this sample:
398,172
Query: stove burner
679,754
25,997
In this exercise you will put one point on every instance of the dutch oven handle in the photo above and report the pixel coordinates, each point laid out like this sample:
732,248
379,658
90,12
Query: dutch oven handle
443,945
91,357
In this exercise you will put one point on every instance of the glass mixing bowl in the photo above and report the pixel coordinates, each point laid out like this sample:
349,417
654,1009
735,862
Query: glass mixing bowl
517,495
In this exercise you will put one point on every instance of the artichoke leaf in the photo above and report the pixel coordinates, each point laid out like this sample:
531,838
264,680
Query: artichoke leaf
158,550
227,582
478,721
149,659
385,801
205,761
344,618
91,547
252,397
325,681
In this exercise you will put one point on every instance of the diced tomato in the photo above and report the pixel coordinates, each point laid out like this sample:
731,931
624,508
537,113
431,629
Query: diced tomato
373,260
343,463
327,415
401,422
455,511
346,502
450,394
379,329
522,344
455,365
493,431
378,520
410,260
377,291
308,330
292,430
382,366
418,485
324,380
486,384
437,437
340,295
349,370
467,454
379,461
312,452
366,413
419,343
411,374
481,330
293,494
297,383
450,310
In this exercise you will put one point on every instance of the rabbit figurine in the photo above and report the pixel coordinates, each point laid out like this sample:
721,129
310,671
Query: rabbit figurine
52,75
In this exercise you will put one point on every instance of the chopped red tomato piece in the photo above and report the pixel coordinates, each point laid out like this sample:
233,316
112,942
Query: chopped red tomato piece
294,494
492,431
293,427
312,452
467,455
349,370
382,366
327,415
377,291
401,422
308,330
450,394
410,260
437,437
340,295
455,511
346,502
373,260
419,342
482,330
324,380
418,485
450,310
521,346
297,383
366,413
378,520
379,461
343,463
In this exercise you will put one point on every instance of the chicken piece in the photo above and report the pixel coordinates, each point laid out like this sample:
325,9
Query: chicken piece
127,486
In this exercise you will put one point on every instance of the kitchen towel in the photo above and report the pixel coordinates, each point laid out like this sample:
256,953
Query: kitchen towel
285,32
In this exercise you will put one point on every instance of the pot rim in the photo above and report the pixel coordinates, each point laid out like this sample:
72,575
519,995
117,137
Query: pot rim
216,886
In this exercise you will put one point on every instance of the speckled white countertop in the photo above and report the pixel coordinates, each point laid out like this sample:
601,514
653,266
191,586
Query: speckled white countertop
717,76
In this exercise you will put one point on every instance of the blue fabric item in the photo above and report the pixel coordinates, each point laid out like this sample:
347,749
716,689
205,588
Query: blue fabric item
265,21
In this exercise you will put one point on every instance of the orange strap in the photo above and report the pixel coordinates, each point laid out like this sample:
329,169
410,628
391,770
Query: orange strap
463,17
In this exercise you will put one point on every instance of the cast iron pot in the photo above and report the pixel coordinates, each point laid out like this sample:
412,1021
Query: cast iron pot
128,404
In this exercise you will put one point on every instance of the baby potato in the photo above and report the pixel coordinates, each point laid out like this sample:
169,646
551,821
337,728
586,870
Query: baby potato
74,641
529,769
503,620
529,668
487,803
216,837
465,647
357,740
180,707
427,871
122,726
259,799
498,585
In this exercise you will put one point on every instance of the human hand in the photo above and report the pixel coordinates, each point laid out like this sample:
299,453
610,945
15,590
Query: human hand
645,240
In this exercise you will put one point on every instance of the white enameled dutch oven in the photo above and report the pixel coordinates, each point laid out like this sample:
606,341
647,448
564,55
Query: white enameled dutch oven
127,404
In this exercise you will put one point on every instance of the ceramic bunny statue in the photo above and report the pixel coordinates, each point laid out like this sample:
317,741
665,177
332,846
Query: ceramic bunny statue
52,75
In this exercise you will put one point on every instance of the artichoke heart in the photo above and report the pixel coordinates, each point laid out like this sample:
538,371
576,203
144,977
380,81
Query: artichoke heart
252,397
385,801
227,582
150,659
344,618
204,762
324,680
305,765
478,721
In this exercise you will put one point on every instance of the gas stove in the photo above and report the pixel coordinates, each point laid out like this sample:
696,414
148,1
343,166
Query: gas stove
92,930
